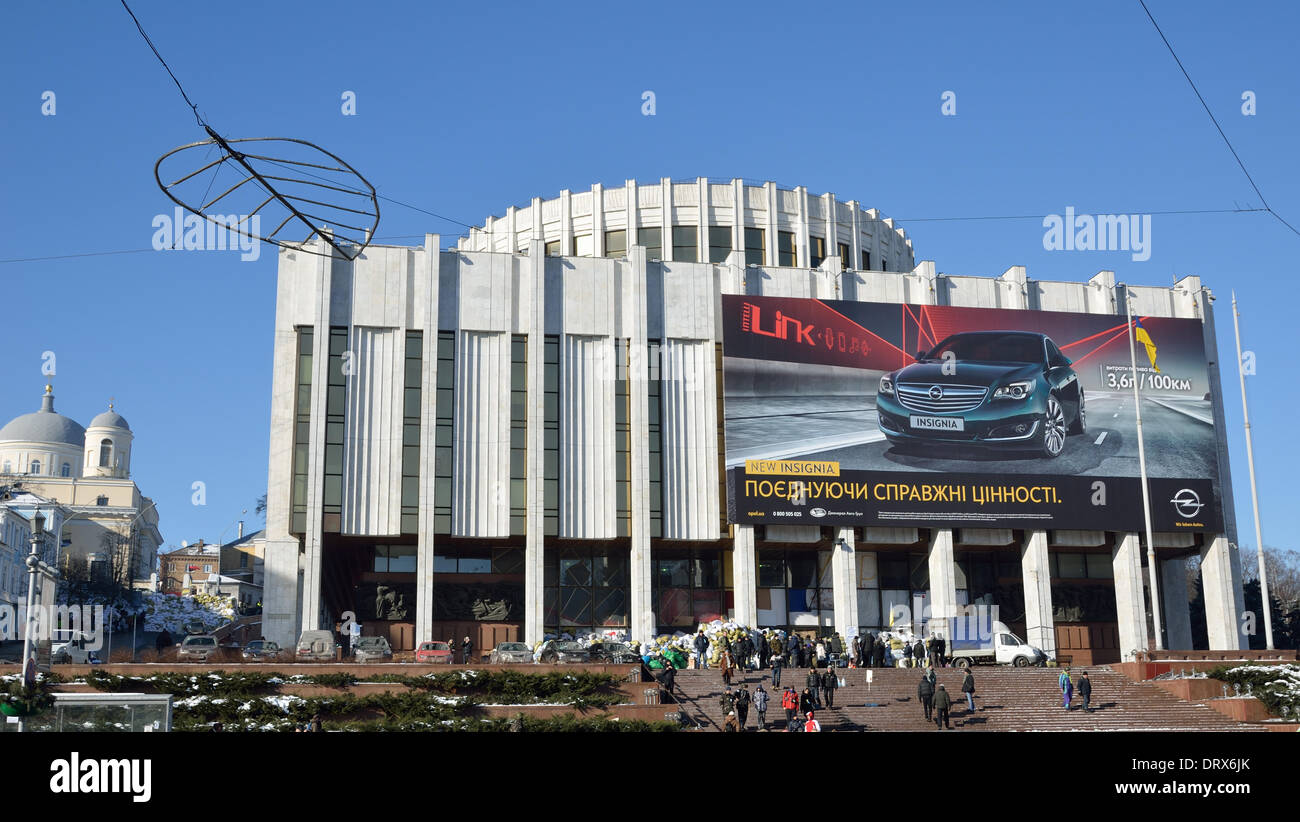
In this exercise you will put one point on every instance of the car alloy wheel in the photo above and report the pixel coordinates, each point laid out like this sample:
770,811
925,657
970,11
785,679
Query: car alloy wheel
1053,428
1080,423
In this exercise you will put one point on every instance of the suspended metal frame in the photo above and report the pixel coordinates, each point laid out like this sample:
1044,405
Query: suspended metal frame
346,240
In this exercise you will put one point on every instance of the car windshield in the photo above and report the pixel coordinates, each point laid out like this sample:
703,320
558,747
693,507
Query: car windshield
372,642
990,347
569,647
512,646
200,640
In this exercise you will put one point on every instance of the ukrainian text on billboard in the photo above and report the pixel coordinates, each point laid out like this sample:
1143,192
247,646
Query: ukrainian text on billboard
854,413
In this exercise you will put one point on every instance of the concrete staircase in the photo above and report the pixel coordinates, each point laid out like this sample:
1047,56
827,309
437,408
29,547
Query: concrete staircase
1006,699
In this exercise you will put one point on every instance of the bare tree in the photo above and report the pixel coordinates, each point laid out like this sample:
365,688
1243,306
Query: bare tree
1283,568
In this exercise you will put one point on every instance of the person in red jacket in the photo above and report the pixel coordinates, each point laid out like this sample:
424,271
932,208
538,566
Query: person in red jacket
790,702
812,725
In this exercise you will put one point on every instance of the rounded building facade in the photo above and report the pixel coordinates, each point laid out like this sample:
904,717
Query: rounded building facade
525,435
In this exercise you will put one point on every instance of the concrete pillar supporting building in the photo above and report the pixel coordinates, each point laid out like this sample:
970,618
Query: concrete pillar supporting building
744,575
844,578
1177,609
943,583
1040,630
1221,607
428,426
314,538
640,595
1130,601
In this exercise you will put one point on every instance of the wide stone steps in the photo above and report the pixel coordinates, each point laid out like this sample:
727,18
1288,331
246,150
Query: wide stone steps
1006,699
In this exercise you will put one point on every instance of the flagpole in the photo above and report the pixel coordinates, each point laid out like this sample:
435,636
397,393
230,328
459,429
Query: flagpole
1254,495
1142,467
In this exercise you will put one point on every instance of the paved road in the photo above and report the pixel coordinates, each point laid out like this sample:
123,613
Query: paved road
1179,443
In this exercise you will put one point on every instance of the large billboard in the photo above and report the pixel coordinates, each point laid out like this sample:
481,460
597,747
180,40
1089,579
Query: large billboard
856,413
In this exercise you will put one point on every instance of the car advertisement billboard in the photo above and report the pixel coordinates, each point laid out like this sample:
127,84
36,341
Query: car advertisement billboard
857,413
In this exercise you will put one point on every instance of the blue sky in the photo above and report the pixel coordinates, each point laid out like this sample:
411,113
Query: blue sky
464,109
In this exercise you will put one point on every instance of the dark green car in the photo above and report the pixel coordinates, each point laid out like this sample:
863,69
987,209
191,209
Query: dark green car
995,389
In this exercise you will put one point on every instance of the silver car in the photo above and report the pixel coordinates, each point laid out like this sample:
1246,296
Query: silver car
510,652
200,648
372,649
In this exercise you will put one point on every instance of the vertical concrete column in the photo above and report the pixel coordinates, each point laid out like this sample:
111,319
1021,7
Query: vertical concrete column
597,220
1130,604
943,582
566,223
666,219
844,578
534,515
1039,628
1222,609
427,291
311,580
744,575
641,602
1173,595
631,206
773,200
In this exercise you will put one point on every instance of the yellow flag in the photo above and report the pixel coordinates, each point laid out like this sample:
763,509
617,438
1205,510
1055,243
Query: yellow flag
1141,335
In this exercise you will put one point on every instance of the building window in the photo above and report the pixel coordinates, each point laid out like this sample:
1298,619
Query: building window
394,559
622,440
105,453
845,262
689,587
443,432
724,525
866,261
552,249
36,467
616,243
816,251
66,470
302,432
586,589
518,433
243,560
101,501
719,243
335,411
652,239
686,244
755,246
582,246
207,569
795,589
785,250
551,435
1065,565
654,437
411,405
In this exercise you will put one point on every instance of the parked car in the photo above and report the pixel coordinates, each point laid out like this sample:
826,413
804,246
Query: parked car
616,653
199,648
510,652
434,652
372,649
994,389
72,646
261,649
555,651
316,646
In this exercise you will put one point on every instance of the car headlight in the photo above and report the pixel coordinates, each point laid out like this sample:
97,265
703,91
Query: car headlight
886,386
1014,390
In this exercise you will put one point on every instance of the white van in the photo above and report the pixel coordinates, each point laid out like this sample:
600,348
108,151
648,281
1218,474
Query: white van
77,647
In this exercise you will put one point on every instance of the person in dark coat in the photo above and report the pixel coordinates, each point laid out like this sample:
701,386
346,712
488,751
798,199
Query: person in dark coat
777,664
925,693
667,675
727,701
467,647
760,707
814,685
880,653
764,650
907,655
918,653
1085,690
968,688
702,648
940,651
163,641
942,704
830,681
743,698
807,702
855,651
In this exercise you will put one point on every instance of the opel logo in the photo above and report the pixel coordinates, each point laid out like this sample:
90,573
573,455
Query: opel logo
1187,503
936,392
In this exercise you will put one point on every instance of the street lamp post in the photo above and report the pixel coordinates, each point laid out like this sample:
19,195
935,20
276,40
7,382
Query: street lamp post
33,571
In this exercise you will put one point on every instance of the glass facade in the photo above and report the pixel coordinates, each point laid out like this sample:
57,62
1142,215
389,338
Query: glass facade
411,432
719,243
654,438
690,586
786,255
616,243
518,432
816,251
653,241
586,588
340,365
443,432
301,432
622,440
755,246
794,589
686,240
551,435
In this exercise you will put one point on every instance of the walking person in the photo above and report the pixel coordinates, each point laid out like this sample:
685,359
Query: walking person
467,647
727,701
1085,690
968,688
925,693
830,681
742,705
1067,688
807,702
907,654
760,707
702,650
879,654
777,664
918,653
942,704
790,703
724,662
813,682
855,651
941,651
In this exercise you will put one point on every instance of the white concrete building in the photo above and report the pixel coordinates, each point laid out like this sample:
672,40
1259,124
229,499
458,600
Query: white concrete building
524,434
